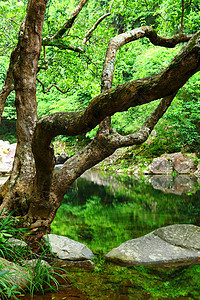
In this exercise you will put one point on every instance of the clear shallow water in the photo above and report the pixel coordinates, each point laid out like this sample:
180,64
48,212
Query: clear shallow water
109,210
103,211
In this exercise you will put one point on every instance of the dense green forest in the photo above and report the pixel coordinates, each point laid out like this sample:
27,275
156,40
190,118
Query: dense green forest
69,78
65,57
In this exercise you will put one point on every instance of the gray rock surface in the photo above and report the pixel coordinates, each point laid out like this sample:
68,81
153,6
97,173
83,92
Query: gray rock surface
7,154
3,179
178,243
197,172
182,163
17,243
160,165
65,248
178,162
34,262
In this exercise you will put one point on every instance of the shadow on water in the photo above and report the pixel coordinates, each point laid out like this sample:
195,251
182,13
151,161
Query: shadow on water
103,211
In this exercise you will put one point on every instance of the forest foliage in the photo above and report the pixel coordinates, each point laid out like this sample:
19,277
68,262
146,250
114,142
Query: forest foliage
68,80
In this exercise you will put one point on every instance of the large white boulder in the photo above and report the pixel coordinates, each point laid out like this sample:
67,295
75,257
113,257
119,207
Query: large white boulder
175,244
65,248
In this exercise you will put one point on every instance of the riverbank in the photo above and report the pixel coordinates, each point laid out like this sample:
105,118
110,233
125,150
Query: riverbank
139,161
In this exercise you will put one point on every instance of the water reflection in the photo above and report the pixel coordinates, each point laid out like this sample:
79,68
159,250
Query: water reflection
103,211
181,184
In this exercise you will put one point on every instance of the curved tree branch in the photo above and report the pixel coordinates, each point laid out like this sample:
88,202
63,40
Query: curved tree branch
142,135
130,94
119,41
129,36
120,98
103,146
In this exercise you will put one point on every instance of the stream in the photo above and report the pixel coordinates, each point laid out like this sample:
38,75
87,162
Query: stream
102,211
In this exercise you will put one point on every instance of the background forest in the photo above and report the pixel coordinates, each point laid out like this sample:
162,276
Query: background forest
67,80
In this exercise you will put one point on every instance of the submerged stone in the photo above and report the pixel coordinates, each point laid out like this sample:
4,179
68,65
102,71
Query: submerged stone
65,248
175,244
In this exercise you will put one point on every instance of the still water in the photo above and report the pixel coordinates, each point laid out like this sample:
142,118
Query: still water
103,211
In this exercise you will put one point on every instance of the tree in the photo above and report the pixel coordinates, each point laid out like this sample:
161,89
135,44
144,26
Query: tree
33,190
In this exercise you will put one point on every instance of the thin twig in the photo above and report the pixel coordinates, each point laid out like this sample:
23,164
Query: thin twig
50,87
91,30
61,46
70,21
182,16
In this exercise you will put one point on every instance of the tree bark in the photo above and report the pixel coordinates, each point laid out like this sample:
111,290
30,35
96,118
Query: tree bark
17,190
33,189
138,92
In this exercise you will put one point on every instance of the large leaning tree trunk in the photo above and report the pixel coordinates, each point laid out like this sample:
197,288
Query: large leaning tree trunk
33,190
23,69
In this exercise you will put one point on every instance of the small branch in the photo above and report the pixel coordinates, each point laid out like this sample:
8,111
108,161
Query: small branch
8,84
142,135
89,33
42,68
62,46
50,87
111,6
70,21
182,16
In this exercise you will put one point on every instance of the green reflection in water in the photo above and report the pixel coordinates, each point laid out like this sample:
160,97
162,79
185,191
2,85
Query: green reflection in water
103,217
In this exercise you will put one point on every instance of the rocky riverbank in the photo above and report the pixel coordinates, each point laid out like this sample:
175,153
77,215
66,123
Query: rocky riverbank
174,164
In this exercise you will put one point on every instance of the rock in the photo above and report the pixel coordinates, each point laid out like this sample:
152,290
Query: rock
17,275
178,162
5,168
17,243
3,179
184,235
61,158
7,154
160,165
88,264
65,248
33,262
197,172
57,167
175,244
182,163
9,157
